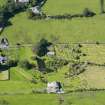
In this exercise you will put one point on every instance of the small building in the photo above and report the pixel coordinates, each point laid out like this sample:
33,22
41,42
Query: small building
36,10
50,53
3,59
54,87
4,44
22,1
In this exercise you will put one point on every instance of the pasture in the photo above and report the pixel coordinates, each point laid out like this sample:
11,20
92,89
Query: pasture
86,98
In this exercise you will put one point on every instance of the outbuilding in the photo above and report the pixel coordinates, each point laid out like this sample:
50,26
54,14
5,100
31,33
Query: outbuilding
22,1
3,59
4,43
36,10
54,87
50,53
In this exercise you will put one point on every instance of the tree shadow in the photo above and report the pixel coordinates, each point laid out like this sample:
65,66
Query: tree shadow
4,68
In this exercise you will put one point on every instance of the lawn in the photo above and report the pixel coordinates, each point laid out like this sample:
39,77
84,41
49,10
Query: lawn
4,75
35,99
2,2
53,7
83,29
84,98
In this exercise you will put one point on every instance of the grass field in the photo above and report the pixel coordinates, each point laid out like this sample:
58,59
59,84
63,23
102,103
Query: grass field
2,2
53,7
4,75
83,29
65,30
84,98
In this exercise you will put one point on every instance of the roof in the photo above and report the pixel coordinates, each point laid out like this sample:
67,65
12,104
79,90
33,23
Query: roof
2,59
50,53
36,10
22,1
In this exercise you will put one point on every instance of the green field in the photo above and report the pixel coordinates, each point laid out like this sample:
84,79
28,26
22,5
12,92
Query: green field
18,90
87,98
83,29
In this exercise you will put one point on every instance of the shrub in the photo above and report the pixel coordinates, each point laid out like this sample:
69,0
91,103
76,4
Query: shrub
88,13
54,63
3,102
39,91
30,14
12,63
80,45
44,80
26,64
76,68
97,43
34,81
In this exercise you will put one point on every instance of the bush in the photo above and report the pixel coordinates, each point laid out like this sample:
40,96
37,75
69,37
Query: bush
34,81
13,63
26,64
43,79
3,102
30,14
97,43
76,68
39,91
54,63
88,13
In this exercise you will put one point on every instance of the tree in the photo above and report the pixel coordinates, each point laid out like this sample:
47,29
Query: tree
2,10
41,64
32,2
1,17
41,48
102,6
40,3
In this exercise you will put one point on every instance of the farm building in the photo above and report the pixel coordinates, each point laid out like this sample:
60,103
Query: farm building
22,1
3,59
50,53
4,43
36,10
54,87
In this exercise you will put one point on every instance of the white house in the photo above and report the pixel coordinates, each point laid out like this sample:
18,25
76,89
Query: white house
4,44
54,87
3,59
36,10
50,53
22,1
